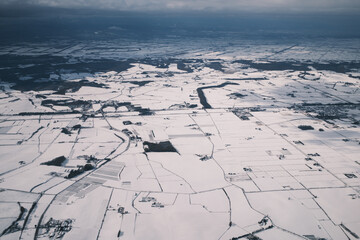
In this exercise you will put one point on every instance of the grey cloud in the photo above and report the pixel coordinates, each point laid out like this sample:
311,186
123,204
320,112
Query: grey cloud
211,5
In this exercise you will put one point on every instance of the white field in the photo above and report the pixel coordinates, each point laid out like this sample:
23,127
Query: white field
241,168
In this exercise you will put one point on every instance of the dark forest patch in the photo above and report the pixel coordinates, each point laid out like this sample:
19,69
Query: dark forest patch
165,146
139,83
59,161
236,95
335,66
41,67
305,127
71,103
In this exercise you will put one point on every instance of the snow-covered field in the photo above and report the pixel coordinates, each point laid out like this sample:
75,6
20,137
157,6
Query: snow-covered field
254,142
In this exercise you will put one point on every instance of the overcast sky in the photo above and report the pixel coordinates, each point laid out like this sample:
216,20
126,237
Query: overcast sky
288,6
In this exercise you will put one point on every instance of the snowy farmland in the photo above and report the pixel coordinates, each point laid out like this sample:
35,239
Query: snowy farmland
259,142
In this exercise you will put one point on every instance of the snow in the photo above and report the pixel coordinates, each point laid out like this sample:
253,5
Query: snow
287,212
240,163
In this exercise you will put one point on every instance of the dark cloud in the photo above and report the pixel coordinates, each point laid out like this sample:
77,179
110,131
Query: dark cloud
200,5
